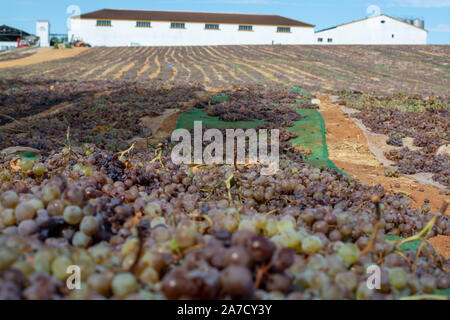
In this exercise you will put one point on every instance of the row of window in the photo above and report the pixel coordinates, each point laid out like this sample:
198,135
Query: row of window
181,25
330,40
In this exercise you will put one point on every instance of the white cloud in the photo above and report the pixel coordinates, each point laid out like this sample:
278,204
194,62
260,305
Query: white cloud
419,3
441,28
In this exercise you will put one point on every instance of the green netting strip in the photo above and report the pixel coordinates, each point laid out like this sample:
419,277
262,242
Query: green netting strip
30,155
310,129
311,136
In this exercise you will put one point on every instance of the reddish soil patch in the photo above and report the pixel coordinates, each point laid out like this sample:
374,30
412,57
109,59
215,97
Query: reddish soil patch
442,244
43,55
348,149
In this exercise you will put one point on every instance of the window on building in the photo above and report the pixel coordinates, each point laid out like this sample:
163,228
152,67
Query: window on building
320,40
143,24
245,28
393,36
284,29
178,25
330,40
211,26
103,23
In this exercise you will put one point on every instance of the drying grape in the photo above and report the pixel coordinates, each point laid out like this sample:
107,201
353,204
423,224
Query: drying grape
81,240
311,244
99,283
176,285
349,253
39,169
260,248
59,267
25,211
7,217
73,215
347,279
149,275
180,231
55,208
283,259
398,278
237,282
26,164
124,284
238,256
428,283
50,193
9,199
28,227
278,282
75,196
89,226
153,210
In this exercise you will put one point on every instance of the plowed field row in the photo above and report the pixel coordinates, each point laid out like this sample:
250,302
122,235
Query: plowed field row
418,69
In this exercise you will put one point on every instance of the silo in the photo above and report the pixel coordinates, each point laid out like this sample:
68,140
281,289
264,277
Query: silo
419,23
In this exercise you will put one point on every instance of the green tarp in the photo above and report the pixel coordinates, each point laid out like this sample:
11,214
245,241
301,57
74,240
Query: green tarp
310,129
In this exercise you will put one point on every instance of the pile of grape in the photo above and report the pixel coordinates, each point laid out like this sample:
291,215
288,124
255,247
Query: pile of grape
257,104
140,227
20,98
121,107
399,116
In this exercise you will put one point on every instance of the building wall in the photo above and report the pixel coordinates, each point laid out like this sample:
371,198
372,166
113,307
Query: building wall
372,31
125,33
43,32
7,44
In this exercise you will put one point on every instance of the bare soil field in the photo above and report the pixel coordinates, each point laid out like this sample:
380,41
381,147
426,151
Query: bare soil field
381,69
37,56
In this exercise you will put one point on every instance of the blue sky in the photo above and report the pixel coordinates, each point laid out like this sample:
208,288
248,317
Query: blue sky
22,14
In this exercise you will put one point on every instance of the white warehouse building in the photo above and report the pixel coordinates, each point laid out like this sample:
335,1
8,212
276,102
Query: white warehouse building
377,30
110,28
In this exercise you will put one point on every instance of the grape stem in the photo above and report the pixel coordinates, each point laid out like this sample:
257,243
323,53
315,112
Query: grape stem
158,158
426,297
261,272
228,185
371,243
69,145
140,249
428,228
422,234
128,151
401,254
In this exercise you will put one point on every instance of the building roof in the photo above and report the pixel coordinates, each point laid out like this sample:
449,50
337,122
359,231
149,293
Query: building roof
381,15
11,34
178,16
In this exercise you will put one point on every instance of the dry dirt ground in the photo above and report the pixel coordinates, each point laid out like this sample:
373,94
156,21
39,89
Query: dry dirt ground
43,55
349,150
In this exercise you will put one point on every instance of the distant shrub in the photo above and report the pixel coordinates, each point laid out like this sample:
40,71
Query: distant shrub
68,46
